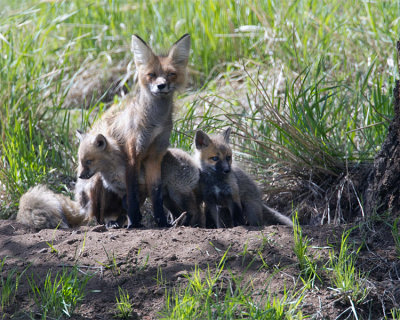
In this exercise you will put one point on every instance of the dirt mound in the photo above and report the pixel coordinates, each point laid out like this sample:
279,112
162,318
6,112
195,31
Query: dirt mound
149,262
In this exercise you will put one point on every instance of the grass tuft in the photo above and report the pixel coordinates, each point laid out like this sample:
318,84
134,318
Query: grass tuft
124,305
349,283
61,295
8,285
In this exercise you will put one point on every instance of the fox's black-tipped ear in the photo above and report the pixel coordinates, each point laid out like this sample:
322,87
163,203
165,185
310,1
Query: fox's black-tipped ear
180,50
141,51
201,140
100,142
80,135
226,134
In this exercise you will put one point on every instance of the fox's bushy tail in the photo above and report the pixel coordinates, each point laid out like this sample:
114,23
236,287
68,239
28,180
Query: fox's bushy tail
273,216
41,208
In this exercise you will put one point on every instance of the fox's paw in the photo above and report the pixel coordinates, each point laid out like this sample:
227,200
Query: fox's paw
113,225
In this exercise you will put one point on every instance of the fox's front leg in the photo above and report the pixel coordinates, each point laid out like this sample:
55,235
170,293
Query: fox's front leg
96,204
154,189
132,196
236,210
132,187
214,211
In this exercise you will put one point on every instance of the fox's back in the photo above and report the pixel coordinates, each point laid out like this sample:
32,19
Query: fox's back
248,189
179,169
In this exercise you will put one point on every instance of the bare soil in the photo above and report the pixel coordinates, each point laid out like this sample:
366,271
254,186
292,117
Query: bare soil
137,258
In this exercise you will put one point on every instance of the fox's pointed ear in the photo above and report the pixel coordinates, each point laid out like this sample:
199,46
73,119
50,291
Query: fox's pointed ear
141,51
80,135
201,140
179,52
226,134
100,142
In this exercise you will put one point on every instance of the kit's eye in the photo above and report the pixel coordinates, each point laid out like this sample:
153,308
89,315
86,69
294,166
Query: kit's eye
228,158
171,74
88,162
151,75
216,158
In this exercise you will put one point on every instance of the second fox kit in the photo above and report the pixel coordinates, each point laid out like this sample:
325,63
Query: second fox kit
144,127
225,186
99,154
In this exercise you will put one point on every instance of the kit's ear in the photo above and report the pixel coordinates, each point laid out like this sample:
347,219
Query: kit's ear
201,140
80,135
226,134
100,142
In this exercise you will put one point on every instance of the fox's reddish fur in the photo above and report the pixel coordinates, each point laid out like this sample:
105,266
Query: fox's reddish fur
142,128
41,208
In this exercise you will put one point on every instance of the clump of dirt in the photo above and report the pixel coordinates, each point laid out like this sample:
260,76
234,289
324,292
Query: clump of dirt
149,262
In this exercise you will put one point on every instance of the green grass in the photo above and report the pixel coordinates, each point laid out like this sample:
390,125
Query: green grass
214,295
124,307
59,296
307,263
9,283
348,282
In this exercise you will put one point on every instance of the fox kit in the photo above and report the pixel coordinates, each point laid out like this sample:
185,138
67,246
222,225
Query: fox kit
41,208
218,185
100,195
180,182
225,186
99,154
144,127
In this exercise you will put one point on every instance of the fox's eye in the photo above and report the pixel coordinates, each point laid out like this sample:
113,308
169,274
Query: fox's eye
151,75
216,158
171,74
228,158
88,162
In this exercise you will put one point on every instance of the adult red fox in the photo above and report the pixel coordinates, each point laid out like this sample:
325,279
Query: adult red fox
143,127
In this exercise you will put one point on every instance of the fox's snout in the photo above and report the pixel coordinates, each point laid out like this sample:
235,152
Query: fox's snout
223,167
86,174
160,86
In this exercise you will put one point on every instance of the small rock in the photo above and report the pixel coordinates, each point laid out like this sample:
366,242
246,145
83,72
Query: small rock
43,250
172,257
72,241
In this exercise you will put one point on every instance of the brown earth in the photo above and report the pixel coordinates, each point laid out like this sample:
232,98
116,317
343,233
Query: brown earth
139,256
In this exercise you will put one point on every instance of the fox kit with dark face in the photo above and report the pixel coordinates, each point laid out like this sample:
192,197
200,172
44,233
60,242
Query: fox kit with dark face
218,185
226,186
101,155
143,128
